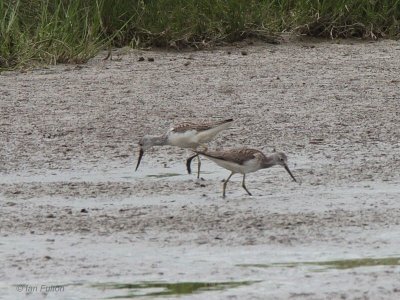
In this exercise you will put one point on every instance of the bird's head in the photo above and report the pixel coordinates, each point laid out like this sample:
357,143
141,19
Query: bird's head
145,143
280,158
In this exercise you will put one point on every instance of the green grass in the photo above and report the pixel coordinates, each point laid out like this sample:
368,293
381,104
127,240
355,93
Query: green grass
48,31
72,31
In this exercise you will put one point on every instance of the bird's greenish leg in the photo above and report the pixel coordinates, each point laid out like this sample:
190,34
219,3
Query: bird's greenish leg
225,183
244,185
198,166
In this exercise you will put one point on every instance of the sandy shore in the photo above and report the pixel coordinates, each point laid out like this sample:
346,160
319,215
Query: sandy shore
75,214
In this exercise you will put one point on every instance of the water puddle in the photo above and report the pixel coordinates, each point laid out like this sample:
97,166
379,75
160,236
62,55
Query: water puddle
132,290
335,264
163,175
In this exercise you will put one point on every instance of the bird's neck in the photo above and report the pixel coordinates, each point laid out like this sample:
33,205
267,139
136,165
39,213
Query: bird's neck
269,161
158,140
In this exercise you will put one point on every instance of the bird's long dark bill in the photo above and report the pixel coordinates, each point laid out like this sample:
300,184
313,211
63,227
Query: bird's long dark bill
141,152
188,163
290,173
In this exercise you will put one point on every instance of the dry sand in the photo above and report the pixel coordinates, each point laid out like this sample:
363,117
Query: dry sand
74,212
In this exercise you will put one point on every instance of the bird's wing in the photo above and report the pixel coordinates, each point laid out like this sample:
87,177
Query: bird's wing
186,126
239,156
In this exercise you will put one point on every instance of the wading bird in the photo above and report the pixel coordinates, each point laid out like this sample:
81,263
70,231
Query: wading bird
245,161
185,135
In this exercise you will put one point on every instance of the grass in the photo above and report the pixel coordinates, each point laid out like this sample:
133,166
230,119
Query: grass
72,31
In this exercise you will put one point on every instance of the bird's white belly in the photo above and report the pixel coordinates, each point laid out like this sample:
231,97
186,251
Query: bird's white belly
187,139
248,167
208,135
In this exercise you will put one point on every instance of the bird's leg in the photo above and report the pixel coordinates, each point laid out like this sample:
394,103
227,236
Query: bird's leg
225,183
188,162
244,185
198,166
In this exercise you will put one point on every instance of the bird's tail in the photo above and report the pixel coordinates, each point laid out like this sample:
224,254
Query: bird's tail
227,121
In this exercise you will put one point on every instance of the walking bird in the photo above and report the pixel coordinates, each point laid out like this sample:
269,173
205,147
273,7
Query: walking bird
245,161
184,135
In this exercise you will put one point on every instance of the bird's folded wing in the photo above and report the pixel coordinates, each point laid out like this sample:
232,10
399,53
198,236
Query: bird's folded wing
185,126
239,156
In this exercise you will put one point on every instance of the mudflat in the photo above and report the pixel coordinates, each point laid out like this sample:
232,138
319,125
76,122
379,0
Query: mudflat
75,214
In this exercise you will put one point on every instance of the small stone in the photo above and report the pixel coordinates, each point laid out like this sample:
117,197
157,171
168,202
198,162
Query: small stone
150,59
141,58
84,210
243,52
